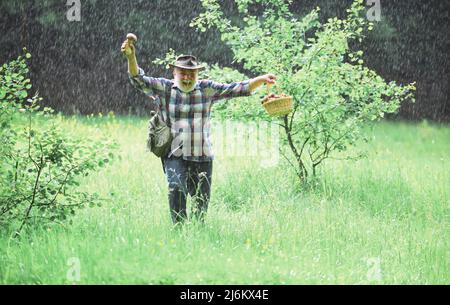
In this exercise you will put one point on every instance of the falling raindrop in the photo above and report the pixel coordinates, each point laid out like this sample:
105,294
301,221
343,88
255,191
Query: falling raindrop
77,66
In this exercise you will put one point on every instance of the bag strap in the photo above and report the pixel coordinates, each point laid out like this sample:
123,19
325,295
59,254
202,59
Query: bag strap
157,101
161,118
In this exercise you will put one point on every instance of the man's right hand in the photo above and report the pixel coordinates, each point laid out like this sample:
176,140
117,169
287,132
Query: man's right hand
128,49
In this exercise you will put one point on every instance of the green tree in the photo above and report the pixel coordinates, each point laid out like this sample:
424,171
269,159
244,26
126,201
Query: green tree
40,166
334,94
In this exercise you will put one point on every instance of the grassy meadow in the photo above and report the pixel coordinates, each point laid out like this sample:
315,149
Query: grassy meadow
382,219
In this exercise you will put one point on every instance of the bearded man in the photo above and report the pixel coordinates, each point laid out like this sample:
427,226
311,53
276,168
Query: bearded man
185,103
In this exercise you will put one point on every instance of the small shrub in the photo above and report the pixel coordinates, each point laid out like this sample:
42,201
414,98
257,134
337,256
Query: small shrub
41,165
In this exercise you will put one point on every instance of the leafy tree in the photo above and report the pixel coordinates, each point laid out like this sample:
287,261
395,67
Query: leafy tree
334,93
40,166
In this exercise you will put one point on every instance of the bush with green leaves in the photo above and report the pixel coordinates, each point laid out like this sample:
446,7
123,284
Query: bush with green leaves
41,164
316,63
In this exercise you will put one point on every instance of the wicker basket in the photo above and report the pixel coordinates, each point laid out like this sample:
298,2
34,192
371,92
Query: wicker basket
278,106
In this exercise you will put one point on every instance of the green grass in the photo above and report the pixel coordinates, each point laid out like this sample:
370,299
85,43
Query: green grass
391,207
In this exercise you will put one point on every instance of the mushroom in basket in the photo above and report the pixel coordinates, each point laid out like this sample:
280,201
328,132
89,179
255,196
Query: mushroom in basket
277,104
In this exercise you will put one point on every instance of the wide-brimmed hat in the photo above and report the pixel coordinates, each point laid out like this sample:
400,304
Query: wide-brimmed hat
187,62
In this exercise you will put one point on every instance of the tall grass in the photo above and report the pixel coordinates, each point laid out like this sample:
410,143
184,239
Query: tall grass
385,215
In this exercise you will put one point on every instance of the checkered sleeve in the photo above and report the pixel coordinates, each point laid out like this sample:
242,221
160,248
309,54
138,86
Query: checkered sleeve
220,91
149,85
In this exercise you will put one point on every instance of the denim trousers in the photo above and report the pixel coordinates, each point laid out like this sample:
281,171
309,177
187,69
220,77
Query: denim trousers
187,177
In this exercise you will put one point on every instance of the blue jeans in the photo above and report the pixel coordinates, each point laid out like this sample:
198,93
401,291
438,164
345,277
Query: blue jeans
188,177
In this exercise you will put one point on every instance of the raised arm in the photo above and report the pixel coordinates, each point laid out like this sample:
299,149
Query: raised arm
129,51
149,85
220,91
133,68
260,80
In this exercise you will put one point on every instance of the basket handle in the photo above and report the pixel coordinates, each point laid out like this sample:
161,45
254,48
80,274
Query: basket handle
277,89
268,88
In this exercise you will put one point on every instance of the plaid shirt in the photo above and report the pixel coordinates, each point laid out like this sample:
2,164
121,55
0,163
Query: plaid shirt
188,113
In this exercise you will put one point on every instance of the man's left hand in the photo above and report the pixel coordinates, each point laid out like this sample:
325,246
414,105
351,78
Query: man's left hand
269,79
261,80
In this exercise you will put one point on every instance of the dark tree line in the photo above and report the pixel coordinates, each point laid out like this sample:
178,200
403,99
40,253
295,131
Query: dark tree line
77,66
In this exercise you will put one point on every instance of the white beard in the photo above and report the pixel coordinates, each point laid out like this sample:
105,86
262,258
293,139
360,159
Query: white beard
183,87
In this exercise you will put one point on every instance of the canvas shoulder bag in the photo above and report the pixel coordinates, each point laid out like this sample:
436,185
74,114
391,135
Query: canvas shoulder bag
160,137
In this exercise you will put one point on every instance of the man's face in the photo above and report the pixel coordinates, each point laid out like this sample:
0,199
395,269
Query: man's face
185,79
